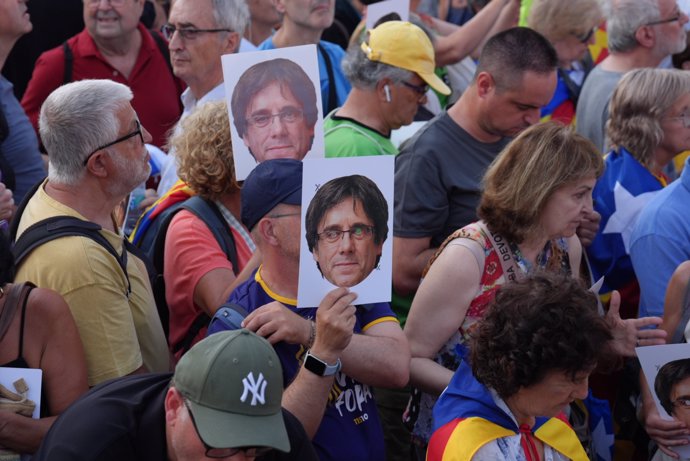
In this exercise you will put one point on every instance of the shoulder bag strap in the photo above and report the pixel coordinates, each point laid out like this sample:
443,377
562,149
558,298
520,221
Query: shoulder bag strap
10,307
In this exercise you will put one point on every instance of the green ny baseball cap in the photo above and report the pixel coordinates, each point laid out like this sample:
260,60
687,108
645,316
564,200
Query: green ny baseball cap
233,382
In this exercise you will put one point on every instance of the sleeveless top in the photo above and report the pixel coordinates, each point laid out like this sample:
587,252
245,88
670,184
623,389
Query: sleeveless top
553,258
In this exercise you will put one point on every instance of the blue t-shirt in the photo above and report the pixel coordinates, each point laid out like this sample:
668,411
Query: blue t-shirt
342,84
20,149
350,428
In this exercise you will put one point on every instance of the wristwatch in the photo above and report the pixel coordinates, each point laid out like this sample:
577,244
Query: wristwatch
319,367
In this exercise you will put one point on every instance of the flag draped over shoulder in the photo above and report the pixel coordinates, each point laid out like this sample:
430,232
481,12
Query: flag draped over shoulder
466,418
619,196
179,192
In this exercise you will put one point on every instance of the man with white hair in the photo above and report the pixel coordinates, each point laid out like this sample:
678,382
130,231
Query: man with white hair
97,157
641,33
200,32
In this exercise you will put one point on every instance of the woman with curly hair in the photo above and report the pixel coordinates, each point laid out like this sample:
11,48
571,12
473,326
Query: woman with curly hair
198,275
531,356
649,124
536,193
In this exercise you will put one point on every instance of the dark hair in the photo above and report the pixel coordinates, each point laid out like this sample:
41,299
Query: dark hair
287,74
668,376
7,268
542,323
511,53
361,189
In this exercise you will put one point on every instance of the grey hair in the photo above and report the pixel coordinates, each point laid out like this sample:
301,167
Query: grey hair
231,14
364,74
638,104
77,118
623,18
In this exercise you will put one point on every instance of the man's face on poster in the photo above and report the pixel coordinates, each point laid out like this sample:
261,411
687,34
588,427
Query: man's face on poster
680,397
345,250
276,126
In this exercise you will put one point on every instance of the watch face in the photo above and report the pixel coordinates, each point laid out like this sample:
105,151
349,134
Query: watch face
314,365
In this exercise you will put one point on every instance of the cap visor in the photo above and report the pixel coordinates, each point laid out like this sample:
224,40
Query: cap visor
435,83
294,198
221,429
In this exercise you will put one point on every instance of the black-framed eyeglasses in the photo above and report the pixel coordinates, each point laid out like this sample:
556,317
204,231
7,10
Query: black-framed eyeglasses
213,452
118,140
357,232
287,115
664,21
110,2
419,89
187,33
585,38
284,215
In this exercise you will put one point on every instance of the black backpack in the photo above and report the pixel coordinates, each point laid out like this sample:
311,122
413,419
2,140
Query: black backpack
63,226
152,244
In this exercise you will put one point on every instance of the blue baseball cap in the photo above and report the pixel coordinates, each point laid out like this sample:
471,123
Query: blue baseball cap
272,182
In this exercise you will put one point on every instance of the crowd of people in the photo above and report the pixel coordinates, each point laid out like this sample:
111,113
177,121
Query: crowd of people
539,230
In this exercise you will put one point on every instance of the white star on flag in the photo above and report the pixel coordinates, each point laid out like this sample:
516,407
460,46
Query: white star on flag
628,208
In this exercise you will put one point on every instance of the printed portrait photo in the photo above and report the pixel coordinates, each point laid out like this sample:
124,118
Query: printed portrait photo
274,104
667,373
347,208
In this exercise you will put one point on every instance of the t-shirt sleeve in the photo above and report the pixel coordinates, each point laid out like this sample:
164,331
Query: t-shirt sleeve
191,251
372,314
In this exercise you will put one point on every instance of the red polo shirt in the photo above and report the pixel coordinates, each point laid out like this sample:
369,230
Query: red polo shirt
156,91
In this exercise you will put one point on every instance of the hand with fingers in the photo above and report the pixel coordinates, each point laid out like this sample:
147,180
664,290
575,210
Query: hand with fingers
335,322
666,433
7,207
588,228
631,333
276,323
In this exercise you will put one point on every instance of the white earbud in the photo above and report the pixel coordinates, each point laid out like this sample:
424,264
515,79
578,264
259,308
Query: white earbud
387,92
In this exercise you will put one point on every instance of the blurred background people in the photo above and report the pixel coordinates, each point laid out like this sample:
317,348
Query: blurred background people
570,27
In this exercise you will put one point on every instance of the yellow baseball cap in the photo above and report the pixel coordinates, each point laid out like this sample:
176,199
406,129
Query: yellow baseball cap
404,45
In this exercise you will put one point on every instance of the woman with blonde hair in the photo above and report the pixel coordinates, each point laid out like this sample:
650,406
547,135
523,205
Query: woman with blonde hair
570,26
536,193
649,120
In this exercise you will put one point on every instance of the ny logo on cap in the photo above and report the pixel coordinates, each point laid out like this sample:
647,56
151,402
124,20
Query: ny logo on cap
257,389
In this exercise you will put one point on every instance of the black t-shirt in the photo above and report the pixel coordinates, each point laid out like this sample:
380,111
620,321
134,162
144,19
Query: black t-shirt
124,419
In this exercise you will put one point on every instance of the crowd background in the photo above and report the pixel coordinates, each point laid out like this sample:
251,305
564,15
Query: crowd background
539,145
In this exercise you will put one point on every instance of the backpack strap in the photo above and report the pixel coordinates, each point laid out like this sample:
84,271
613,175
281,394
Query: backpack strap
163,48
185,343
208,212
69,62
65,226
332,102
